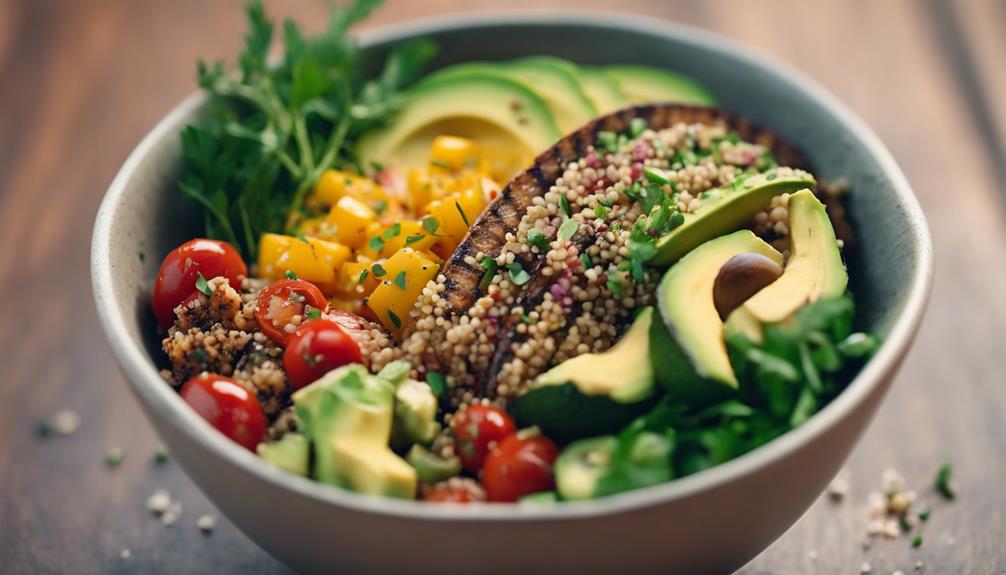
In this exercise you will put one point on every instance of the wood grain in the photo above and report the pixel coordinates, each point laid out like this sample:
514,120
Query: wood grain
82,81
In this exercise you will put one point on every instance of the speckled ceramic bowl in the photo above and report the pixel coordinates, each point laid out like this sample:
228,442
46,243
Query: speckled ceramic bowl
711,522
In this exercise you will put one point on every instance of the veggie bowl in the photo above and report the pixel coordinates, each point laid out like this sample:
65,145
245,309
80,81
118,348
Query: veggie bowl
640,327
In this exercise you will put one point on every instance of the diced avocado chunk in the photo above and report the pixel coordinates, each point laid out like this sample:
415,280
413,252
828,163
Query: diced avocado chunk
726,209
602,89
594,392
430,467
621,373
415,414
649,85
497,112
693,365
292,453
814,269
595,467
348,415
416,407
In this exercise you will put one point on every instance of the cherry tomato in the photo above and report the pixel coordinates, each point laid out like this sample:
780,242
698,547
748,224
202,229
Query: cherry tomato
477,430
447,492
316,348
280,302
228,406
520,466
180,269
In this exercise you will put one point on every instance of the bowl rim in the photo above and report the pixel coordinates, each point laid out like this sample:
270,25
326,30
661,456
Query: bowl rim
147,383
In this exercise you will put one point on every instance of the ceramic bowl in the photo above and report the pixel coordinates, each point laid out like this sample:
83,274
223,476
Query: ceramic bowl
710,522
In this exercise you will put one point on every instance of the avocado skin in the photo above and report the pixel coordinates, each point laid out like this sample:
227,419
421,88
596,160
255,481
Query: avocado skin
564,414
674,373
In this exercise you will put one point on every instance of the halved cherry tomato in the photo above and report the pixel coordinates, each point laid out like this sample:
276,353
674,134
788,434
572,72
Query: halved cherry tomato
176,281
280,302
520,466
228,406
450,492
477,430
316,348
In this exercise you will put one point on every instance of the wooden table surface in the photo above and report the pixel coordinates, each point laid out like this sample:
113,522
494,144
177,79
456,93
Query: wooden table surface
82,81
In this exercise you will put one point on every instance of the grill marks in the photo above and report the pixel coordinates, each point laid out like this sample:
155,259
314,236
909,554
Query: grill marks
487,234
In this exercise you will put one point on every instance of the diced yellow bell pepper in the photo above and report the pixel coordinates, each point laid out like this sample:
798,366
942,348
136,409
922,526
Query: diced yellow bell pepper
334,185
351,274
418,189
455,215
411,234
453,152
309,259
351,217
408,272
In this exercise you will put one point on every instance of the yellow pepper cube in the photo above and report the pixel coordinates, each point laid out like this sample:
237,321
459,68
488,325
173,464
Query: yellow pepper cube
456,213
351,218
353,273
309,259
410,234
418,189
407,273
334,185
453,152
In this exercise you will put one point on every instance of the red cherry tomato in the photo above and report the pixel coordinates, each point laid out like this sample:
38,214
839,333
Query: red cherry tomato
280,302
316,348
520,466
180,269
447,492
477,430
228,406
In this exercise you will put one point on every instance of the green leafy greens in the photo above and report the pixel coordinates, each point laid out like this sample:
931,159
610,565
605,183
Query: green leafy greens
271,131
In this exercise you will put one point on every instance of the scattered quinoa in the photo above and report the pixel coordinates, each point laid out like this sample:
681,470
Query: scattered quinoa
206,523
66,422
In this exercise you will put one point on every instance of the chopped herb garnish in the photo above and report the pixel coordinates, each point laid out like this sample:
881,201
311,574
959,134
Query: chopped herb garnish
378,270
161,456
490,267
199,356
413,239
313,313
943,483
518,275
290,275
564,204
924,514
143,256
637,126
440,164
616,287
392,232
585,260
536,237
608,141
430,224
461,211
302,238
202,285
771,176
380,206
397,321
400,280
567,229
376,243
363,276
437,383
43,428
656,176
601,210
524,318
917,541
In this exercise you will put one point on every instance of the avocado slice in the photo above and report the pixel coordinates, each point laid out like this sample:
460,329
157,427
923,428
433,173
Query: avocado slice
292,452
594,392
430,467
693,365
348,415
602,89
649,85
587,468
416,407
501,114
725,209
555,81
813,271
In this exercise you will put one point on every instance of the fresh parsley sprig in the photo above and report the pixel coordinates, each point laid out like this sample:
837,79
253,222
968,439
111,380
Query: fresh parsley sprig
271,131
